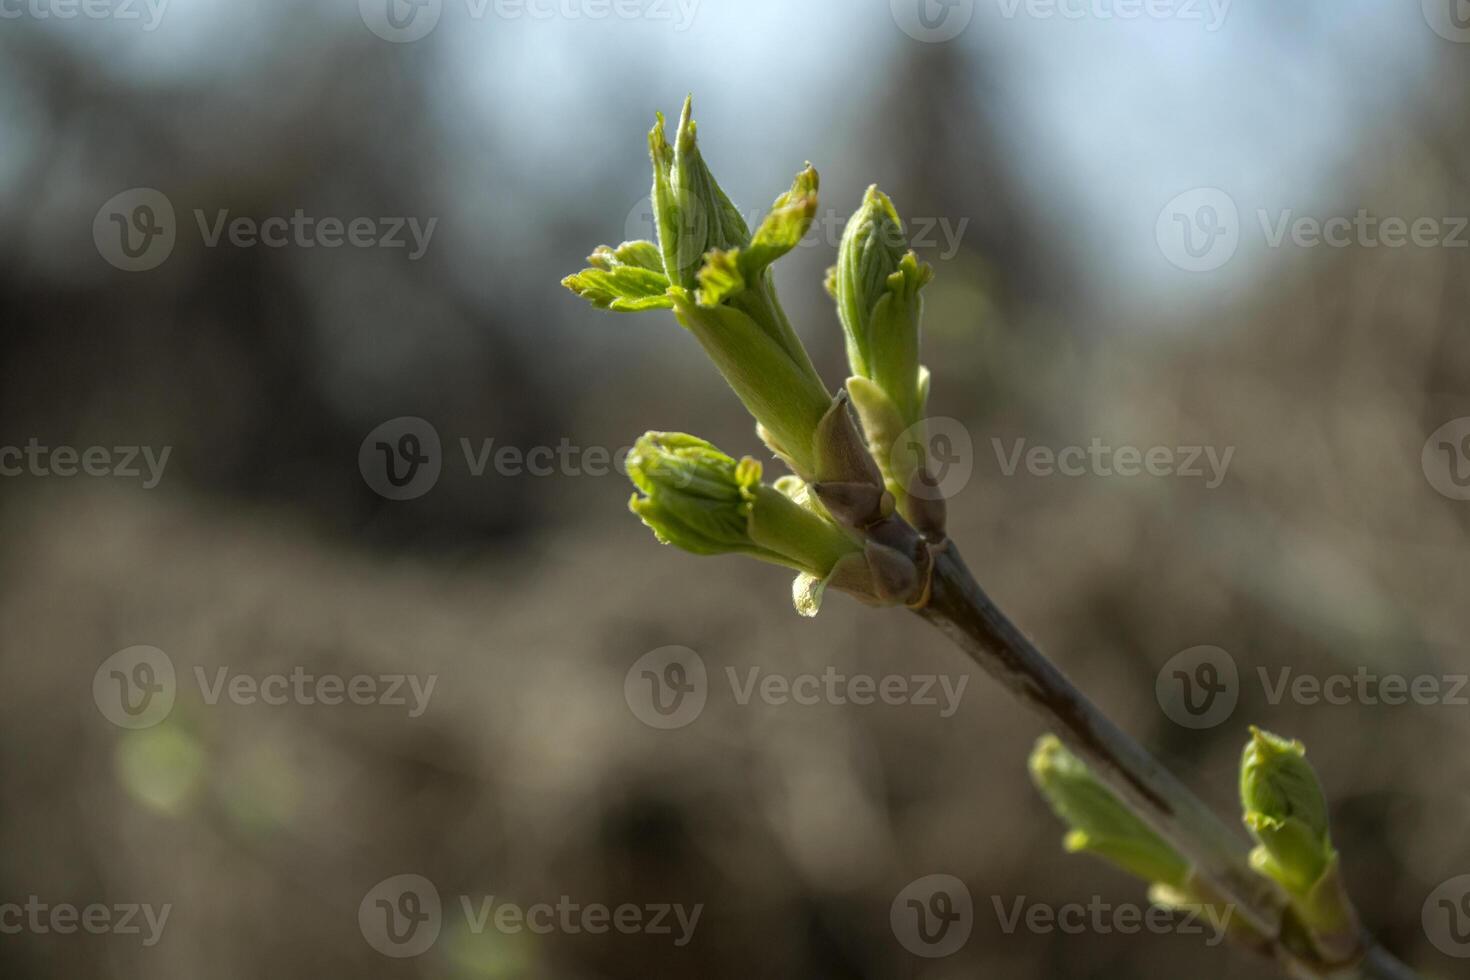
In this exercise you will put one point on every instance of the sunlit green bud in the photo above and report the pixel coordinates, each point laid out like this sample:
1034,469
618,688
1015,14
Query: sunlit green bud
699,499
876,284
691,210
1285,810
695,497
1100,823
873,245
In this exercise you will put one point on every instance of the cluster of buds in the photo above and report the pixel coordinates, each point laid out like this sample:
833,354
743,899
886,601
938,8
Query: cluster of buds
850,486
1285,810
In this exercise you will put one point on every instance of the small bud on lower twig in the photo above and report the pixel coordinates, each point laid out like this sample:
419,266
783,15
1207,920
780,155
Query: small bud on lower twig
1100,823
1286,812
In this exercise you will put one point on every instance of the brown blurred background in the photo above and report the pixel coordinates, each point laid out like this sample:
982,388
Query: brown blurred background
1051,145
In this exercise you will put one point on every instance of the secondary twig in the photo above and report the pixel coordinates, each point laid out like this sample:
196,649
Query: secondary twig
960,608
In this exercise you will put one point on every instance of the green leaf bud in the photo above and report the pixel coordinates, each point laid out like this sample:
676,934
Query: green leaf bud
691,210
697,498
876,284
1285,810
1100,823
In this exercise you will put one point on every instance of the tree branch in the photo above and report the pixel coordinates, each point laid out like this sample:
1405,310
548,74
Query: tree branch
960,608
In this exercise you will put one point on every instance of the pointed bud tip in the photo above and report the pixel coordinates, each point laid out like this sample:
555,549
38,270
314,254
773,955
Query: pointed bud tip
748,472
688,129
875,199
1266,745
1047,755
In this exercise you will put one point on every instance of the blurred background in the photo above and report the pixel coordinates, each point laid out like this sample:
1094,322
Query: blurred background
1111,195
